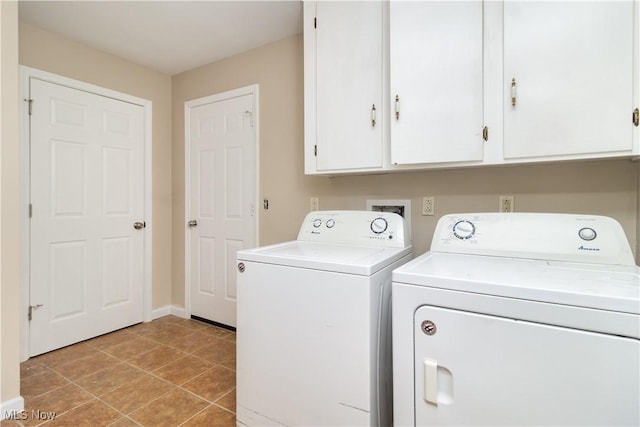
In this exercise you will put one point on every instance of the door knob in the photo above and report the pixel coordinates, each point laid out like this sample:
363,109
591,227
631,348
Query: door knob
192,223
139,225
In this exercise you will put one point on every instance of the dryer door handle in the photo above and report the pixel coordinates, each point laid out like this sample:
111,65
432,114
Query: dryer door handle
430,381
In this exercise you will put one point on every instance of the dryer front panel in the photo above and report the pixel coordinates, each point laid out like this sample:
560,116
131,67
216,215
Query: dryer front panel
484,370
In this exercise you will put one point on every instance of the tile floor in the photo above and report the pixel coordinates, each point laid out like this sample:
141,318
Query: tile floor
168,372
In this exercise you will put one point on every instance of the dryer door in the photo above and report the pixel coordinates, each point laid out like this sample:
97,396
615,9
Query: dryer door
484,370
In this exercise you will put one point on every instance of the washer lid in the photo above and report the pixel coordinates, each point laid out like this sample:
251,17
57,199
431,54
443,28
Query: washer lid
339,258
612,288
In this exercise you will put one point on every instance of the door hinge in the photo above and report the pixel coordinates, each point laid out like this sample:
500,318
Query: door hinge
30,101
31,307
30,210
485,133
315,150
636,117
315,22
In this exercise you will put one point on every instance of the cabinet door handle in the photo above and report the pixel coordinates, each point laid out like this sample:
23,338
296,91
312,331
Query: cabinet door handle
514,93
373,115
397,107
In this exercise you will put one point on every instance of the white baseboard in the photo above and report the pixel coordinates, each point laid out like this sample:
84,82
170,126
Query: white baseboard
169,310
12,408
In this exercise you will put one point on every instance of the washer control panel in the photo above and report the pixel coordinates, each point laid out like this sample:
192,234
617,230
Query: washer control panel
553,237
355,227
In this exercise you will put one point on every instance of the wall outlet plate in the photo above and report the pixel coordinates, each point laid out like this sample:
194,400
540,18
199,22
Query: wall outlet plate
428,205
506,204
314,204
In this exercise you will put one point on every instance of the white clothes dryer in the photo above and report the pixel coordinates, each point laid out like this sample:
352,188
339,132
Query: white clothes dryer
518,319
313,331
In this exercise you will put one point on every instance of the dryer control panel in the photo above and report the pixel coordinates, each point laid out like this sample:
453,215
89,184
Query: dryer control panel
383,229
553,237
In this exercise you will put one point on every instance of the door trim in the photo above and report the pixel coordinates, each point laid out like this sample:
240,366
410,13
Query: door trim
25,184
188,105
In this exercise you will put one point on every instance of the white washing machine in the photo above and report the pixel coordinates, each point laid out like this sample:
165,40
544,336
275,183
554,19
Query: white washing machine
313,332
518,319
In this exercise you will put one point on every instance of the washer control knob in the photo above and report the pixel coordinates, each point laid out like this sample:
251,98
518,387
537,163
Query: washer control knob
317,222
587,233
330,223
464,229
379,225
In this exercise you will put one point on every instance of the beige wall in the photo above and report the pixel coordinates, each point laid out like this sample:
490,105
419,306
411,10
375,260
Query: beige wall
9,202
49,52
600,188
277,68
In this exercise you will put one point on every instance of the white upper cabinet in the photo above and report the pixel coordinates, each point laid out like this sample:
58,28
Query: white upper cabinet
394,85
348,67
436,72
568,78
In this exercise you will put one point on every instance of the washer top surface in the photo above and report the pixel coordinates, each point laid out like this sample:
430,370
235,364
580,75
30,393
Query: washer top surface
575,260
352,242
335,257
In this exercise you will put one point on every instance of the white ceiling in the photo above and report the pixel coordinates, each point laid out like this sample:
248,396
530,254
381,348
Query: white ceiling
168,36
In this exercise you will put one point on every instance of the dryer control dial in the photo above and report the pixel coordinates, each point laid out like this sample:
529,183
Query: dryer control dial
464,229
379,225
587,233
317,222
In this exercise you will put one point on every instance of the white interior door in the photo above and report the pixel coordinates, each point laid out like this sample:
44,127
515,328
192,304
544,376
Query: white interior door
87,190
221,136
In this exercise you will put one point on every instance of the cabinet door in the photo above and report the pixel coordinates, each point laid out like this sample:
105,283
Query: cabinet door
572,63
349,85
436,73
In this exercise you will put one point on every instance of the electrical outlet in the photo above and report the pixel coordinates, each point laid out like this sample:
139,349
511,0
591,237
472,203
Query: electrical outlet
428,206
314,204
506,204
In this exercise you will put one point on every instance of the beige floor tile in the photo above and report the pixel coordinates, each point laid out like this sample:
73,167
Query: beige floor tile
32,367
110,378
222,352
111,339
131,348
156,358
171,409
212,384
66,354
124,422
193,342
85,366
133,395
57,401
228,401
213,416
91,414
219,332
168,337
183,370
39,384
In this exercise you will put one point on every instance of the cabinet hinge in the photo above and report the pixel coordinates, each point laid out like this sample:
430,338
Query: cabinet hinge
315,150
30,102
636,117
30,210
315,22
485,133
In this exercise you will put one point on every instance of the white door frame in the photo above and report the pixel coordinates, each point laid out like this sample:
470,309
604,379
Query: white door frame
246,90
25,185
